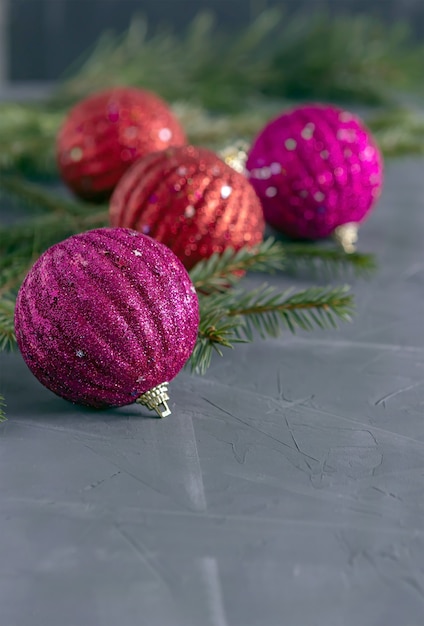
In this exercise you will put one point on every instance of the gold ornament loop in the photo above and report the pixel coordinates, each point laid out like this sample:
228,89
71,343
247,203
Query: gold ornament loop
156,399
347,236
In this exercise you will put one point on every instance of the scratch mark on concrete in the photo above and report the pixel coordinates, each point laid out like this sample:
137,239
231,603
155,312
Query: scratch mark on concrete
100,482
143,555
263,432
119,467
216,406
393,394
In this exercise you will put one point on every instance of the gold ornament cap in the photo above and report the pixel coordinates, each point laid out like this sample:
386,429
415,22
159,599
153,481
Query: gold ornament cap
156,399
347,236
235,156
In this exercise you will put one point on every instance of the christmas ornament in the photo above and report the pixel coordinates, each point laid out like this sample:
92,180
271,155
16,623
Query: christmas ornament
190,200
107,318
107,132
317,172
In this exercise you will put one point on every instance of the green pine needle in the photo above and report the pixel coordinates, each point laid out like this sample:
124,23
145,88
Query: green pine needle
227,86
220,271
38,198
2,413
332,262
234,316
28,134
312,56
7,329
399,131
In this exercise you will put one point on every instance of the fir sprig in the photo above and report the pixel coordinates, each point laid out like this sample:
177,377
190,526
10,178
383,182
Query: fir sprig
7,333
326,261
223,270
314,56
28,134
215,332
235,315
2,413
227,86
38,198
399,131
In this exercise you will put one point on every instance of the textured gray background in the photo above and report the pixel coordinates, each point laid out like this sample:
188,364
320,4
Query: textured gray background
40,38
285,490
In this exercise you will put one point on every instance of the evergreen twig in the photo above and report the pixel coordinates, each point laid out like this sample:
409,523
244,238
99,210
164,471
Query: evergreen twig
2,413
327,261
7,333
314,56
35,197
221,271
235,315
245,77
399,131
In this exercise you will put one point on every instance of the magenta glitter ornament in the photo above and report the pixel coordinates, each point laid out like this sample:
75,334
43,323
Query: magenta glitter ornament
315,168
106,316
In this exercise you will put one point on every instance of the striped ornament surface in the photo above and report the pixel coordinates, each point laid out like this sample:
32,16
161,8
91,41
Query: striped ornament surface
190,200
105,316
104,134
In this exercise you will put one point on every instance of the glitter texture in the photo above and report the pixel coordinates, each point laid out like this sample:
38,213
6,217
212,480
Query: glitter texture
315,168
106,133
190,200
100,325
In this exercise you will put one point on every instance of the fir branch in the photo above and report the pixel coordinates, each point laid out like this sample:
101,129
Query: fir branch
36,197
12,275
28,240
215,333
267,310
22,244
245,77
344,58
2,413
314,56
220,271
333,262
224,270
7,328
204,65
235,315
399,131
28,137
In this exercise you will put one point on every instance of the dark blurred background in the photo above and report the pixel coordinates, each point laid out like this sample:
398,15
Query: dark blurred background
40,38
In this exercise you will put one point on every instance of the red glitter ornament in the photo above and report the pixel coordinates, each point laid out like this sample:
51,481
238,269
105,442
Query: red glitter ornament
315,169
190,200
107,132
107,318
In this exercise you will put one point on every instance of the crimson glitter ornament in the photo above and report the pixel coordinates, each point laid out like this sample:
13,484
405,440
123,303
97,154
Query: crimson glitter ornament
190,200
315,169
107,318
107,132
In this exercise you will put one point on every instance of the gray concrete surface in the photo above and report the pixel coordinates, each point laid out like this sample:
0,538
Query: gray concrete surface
285,490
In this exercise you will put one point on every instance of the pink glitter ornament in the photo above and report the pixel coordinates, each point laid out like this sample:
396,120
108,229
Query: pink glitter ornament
106,318
315,169
104,134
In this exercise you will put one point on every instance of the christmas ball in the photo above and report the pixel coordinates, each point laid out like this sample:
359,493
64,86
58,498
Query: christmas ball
190,200
107,132
106,317
315,169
